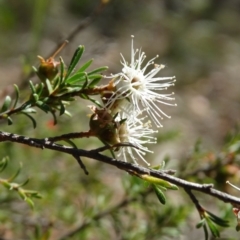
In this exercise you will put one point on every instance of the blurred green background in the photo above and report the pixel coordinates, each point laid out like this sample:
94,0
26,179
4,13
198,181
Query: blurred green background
198,41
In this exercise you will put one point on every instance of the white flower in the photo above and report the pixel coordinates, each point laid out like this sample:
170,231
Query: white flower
141,89
137,133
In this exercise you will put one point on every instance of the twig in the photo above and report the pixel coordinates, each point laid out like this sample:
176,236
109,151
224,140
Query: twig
129,167
81,164
69,136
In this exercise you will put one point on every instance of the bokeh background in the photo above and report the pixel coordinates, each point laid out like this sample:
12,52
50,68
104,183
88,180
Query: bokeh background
197,40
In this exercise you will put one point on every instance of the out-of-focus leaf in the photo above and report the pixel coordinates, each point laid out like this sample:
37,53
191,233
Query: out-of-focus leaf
160,194
29,110
61,71
62,109
31,118
32,87
17,95
3,163
30,202
201,223
75,59
16,174
158,181
49,87
35,96
205,231
10,121
218,220
40,89
95,81
6,104
212,228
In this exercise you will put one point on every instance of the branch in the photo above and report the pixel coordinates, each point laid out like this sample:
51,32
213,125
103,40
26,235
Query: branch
128,167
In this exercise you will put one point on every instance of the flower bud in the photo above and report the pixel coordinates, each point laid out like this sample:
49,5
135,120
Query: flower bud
48,69
104,127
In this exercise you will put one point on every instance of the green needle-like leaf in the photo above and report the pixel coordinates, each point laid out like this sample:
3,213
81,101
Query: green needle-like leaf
201,223
49,87
31,118
17,95
85,66
6,104
160,194
205,231
98,70
62,109
94,82
158,181
75,59
10,121
16,174
61,71
213,228
32,87
76,78
219,221
3,163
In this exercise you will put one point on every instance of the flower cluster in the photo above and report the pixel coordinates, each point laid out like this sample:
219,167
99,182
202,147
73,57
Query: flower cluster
132,96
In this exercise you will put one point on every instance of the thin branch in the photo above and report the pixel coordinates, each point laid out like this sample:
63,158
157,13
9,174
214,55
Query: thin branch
70,136
128,167
79,160
194,200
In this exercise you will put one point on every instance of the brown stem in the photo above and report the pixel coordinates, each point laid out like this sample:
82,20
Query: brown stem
128,167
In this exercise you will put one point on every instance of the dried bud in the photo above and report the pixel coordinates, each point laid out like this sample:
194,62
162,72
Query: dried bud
103,126
48,69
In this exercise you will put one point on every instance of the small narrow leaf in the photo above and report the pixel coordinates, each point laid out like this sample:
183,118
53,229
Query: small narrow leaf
30,202
94,82
78,77
49,86
61,71
24,183
85,66
31,118
218,220
160,194
62,109
201,223
40,89
98,70
54,117
3,163
32,87
10,121
205,231
35,96
71,143
75,59
159,181
86,81
6,104
16,174
29,110
17,95
213,228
